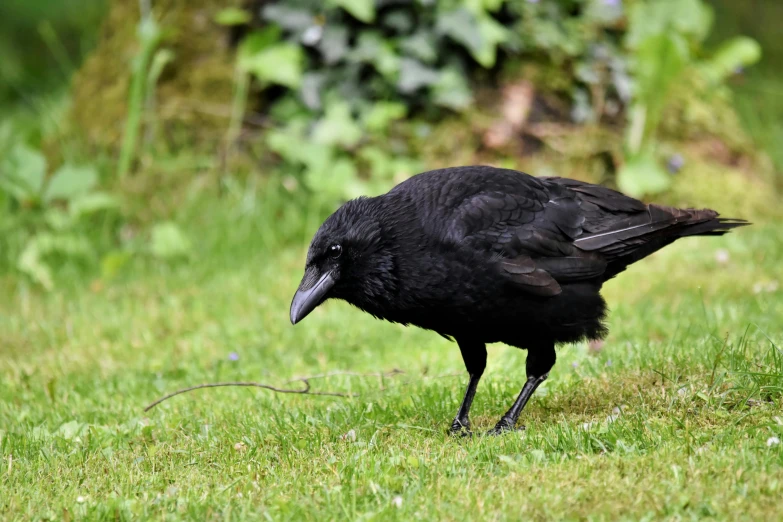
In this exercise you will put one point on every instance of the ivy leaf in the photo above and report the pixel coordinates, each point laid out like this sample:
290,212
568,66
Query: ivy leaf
257,41
415,75
420,45
289,18
492,34
399,20
335,179
310,91
280,64
373,49
337,127
378,117
333,44
461,26
452,90
362,10
270,60
480,35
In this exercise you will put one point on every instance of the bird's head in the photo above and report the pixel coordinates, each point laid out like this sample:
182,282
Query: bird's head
349,258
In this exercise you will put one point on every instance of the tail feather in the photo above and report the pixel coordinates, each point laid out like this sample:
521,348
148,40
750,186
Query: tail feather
713,227
663,226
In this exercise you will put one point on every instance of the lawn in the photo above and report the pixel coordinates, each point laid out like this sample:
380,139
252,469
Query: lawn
677,416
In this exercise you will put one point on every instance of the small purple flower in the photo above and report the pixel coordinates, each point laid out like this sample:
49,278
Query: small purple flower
613,3
675,163
739,69
233,356
609,362
574,364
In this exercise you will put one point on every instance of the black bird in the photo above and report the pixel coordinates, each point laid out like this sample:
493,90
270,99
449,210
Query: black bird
483,255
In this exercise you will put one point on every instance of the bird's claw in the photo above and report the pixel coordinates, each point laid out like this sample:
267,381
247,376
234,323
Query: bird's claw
505,425
460,427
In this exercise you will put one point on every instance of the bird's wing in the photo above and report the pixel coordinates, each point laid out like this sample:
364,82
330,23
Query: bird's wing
542,232
529,229
622,230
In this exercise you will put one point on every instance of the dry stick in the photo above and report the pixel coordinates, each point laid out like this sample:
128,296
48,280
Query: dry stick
305,380
305,391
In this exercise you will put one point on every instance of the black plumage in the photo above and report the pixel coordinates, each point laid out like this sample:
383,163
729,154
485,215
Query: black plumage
484,255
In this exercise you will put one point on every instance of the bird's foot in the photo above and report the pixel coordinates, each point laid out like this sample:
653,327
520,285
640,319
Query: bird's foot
505,425
460,427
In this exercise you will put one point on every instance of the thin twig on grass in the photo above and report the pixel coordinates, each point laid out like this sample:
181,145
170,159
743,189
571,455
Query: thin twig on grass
303,391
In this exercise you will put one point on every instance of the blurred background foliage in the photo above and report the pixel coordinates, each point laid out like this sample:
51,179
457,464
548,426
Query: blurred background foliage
155,131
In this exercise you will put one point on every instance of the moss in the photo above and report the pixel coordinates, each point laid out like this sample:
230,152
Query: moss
696,110
727,189
194,93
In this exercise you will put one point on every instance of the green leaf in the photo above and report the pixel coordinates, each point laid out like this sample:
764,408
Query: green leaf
642,175
30,263
379,116
290,18
288,141
70,430
415,75
334,179
400,21
160,60
32,259
659,61
492,34
112,263
333,44
362,10
92,203
386,166
479,34
461,26
70,182
257,41
337,127
737,52
233,16
280,64
169,242
57,219
311,89
691,19
421,45
22,173
373,49
452,90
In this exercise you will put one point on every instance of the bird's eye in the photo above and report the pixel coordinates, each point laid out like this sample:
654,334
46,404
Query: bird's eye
335,251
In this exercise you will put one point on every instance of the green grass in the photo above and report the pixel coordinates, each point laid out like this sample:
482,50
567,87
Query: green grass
658,425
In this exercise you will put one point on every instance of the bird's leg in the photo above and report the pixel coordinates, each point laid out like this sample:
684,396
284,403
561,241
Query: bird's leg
474,354
539,362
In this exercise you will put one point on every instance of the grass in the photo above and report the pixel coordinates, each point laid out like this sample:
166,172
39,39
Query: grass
671,420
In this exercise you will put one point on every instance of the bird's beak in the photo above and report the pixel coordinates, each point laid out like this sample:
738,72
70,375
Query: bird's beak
309,295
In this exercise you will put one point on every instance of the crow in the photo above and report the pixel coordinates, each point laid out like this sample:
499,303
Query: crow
483,255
